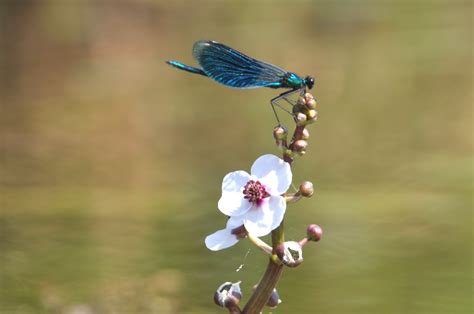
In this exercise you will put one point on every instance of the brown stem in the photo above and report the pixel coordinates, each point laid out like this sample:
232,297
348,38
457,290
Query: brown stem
234,309
303,241
269,280
293,198
264,289
297,135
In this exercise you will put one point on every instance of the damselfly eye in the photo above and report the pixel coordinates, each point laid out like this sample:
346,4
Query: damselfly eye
309,81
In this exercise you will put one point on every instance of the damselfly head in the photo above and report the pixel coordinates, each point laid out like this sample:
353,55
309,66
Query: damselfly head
309,81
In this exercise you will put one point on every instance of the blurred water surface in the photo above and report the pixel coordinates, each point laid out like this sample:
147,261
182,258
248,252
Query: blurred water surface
112,160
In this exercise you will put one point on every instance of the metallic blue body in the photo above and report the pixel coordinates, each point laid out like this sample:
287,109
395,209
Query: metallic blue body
232,68
185,67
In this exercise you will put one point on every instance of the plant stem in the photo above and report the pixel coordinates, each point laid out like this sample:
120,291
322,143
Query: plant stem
264,290
274,269
269,280
260,244
234,310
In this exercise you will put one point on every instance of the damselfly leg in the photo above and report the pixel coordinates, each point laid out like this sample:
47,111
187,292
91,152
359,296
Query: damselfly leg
286,97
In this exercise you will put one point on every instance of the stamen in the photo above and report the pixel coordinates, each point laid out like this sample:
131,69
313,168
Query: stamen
255,192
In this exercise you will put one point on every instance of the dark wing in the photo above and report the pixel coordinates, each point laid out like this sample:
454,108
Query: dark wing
234,69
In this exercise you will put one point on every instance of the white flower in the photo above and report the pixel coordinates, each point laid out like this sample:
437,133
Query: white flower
224,238
253,200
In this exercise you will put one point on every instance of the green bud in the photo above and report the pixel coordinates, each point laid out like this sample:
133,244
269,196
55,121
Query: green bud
312,115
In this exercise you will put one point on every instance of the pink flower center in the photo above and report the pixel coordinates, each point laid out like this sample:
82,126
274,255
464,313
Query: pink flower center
255,192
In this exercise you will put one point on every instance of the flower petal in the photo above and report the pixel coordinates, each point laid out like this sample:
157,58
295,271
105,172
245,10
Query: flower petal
261,220
235,181
233,204
279,209
221,239
234,222
273,172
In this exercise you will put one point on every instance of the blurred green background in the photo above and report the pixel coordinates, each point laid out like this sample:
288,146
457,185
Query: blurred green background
112,161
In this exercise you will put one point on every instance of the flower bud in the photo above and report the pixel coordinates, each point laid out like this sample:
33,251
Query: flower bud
311,104
305,134
300,118
299,146
314,232
306,189
228,295
290,253
308,97
301,101
312,115
274,300
280,132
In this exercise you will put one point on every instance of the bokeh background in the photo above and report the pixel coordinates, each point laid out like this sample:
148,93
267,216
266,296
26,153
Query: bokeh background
112,161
